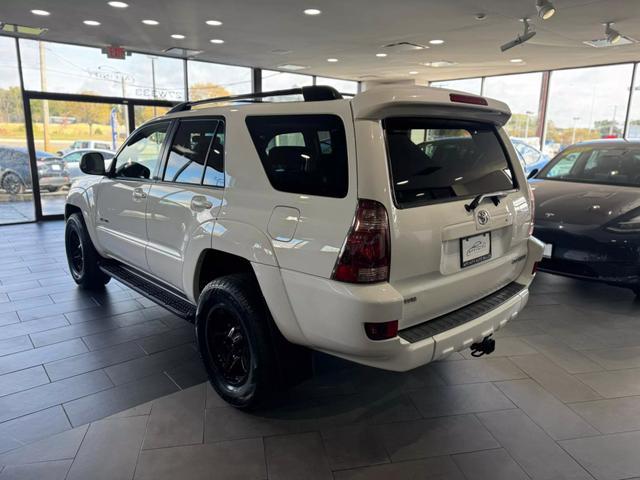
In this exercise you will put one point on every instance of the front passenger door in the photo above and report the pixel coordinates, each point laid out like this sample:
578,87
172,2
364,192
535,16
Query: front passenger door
122,196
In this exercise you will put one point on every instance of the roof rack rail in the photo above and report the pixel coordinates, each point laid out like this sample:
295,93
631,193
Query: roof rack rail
315,93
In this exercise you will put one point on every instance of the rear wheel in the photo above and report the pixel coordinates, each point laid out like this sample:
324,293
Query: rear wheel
232,326
82,256
12,183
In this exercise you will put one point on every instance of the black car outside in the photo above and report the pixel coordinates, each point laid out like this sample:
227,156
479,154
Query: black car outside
588,212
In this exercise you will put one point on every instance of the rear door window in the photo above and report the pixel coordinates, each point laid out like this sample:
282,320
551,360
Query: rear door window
304,154
440,160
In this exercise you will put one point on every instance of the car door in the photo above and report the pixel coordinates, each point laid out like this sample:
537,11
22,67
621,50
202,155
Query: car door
183,205
122,196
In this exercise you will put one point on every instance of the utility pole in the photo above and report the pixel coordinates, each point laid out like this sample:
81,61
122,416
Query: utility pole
575,123
45,103
153,83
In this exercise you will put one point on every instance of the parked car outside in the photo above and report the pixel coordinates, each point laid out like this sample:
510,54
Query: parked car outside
52,174
531,158
87,145
588,212
15,171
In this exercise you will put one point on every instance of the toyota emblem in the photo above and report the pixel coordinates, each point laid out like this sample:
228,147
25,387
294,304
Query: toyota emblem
483,217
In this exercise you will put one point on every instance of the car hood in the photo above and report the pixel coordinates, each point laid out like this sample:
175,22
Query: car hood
585,204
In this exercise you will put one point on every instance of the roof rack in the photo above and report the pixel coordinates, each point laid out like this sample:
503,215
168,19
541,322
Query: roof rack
316,93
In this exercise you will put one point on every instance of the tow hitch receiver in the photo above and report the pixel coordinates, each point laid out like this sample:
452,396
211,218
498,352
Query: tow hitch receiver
485,347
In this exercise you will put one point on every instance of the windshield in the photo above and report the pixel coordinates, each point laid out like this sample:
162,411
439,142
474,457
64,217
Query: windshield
616,164
436,160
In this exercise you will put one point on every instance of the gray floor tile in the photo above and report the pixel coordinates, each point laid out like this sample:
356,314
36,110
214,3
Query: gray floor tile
457,399
56,308
433,437
177,419
562,355
478,370
22,380
56,447
38,356
94,360
352,446
8,318
15,344
113,400
56,470
291,457
173,338
554,379
29,428
25,304
518,329
32,326
616,358
440,468
188,373
109,450
608,457
489,464
609,384
538,455
612,415
237,460
55,393
76,330
124,334
102,311
558,420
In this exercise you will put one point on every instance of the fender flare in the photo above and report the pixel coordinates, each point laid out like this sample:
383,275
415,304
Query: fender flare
84,200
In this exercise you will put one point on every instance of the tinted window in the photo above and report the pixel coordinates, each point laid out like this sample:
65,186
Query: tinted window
617,164
435,160
302,153
139,157
194,142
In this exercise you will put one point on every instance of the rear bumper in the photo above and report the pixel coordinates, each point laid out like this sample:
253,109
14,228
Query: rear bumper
330,315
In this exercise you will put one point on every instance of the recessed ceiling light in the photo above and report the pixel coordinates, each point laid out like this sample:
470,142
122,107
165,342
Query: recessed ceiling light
516,60
177,36
118,4
332,60
436,42
150,22
413,72
42,13
214,23
92,23
381,55
216,41
312,11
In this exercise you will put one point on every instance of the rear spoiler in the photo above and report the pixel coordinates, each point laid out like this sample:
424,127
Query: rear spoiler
384,102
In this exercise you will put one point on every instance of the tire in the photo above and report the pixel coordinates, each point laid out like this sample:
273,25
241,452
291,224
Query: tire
82,256
12,183
235,341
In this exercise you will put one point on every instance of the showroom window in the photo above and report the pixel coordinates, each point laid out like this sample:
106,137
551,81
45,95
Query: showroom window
343,86
62,68
522,93
140,156
273,80
586,104
209,80
469,85
633,128
302,153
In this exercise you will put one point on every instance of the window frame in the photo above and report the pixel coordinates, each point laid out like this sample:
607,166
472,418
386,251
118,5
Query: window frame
175,124
153,175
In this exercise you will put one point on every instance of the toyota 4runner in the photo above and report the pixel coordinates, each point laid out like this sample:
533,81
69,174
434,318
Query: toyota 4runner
390,229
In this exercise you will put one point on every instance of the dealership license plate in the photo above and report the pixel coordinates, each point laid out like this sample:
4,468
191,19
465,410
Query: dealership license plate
55,167
548,250
475,249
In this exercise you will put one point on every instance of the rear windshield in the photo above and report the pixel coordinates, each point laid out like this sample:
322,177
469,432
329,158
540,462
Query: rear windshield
439,160
604,164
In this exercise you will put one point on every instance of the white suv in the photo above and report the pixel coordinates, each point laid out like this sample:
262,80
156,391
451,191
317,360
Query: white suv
390,229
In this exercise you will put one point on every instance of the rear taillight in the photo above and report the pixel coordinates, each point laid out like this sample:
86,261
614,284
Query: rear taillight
382,330
366,254
532,208
471,99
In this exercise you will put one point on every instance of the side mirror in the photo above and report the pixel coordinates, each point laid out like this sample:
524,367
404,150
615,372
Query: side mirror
92,163
532,173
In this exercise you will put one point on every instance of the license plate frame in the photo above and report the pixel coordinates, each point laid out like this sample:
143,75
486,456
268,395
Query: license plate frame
472,253
548,250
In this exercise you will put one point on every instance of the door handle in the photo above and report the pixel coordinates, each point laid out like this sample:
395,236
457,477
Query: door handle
200,202
138,194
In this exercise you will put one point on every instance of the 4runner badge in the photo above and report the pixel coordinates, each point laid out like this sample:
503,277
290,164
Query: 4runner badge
483,217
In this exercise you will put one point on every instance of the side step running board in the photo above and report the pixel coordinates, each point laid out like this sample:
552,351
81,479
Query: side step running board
155,292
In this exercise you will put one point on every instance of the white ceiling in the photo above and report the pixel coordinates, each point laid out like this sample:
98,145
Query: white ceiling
256,32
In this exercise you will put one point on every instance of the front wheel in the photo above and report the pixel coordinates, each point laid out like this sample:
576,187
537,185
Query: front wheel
232,326
82,256
12,183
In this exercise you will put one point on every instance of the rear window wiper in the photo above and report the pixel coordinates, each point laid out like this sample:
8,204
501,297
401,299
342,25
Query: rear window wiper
494,196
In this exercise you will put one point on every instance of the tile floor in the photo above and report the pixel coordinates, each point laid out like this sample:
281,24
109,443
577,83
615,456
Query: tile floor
110,386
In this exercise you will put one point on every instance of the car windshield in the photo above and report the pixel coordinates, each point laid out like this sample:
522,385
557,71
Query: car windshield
617,164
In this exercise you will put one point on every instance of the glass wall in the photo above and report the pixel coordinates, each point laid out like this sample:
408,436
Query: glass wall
633,128
16,197
343,86
586,104
207,80
470,85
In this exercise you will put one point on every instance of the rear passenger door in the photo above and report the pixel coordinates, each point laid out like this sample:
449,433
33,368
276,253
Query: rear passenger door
185,201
